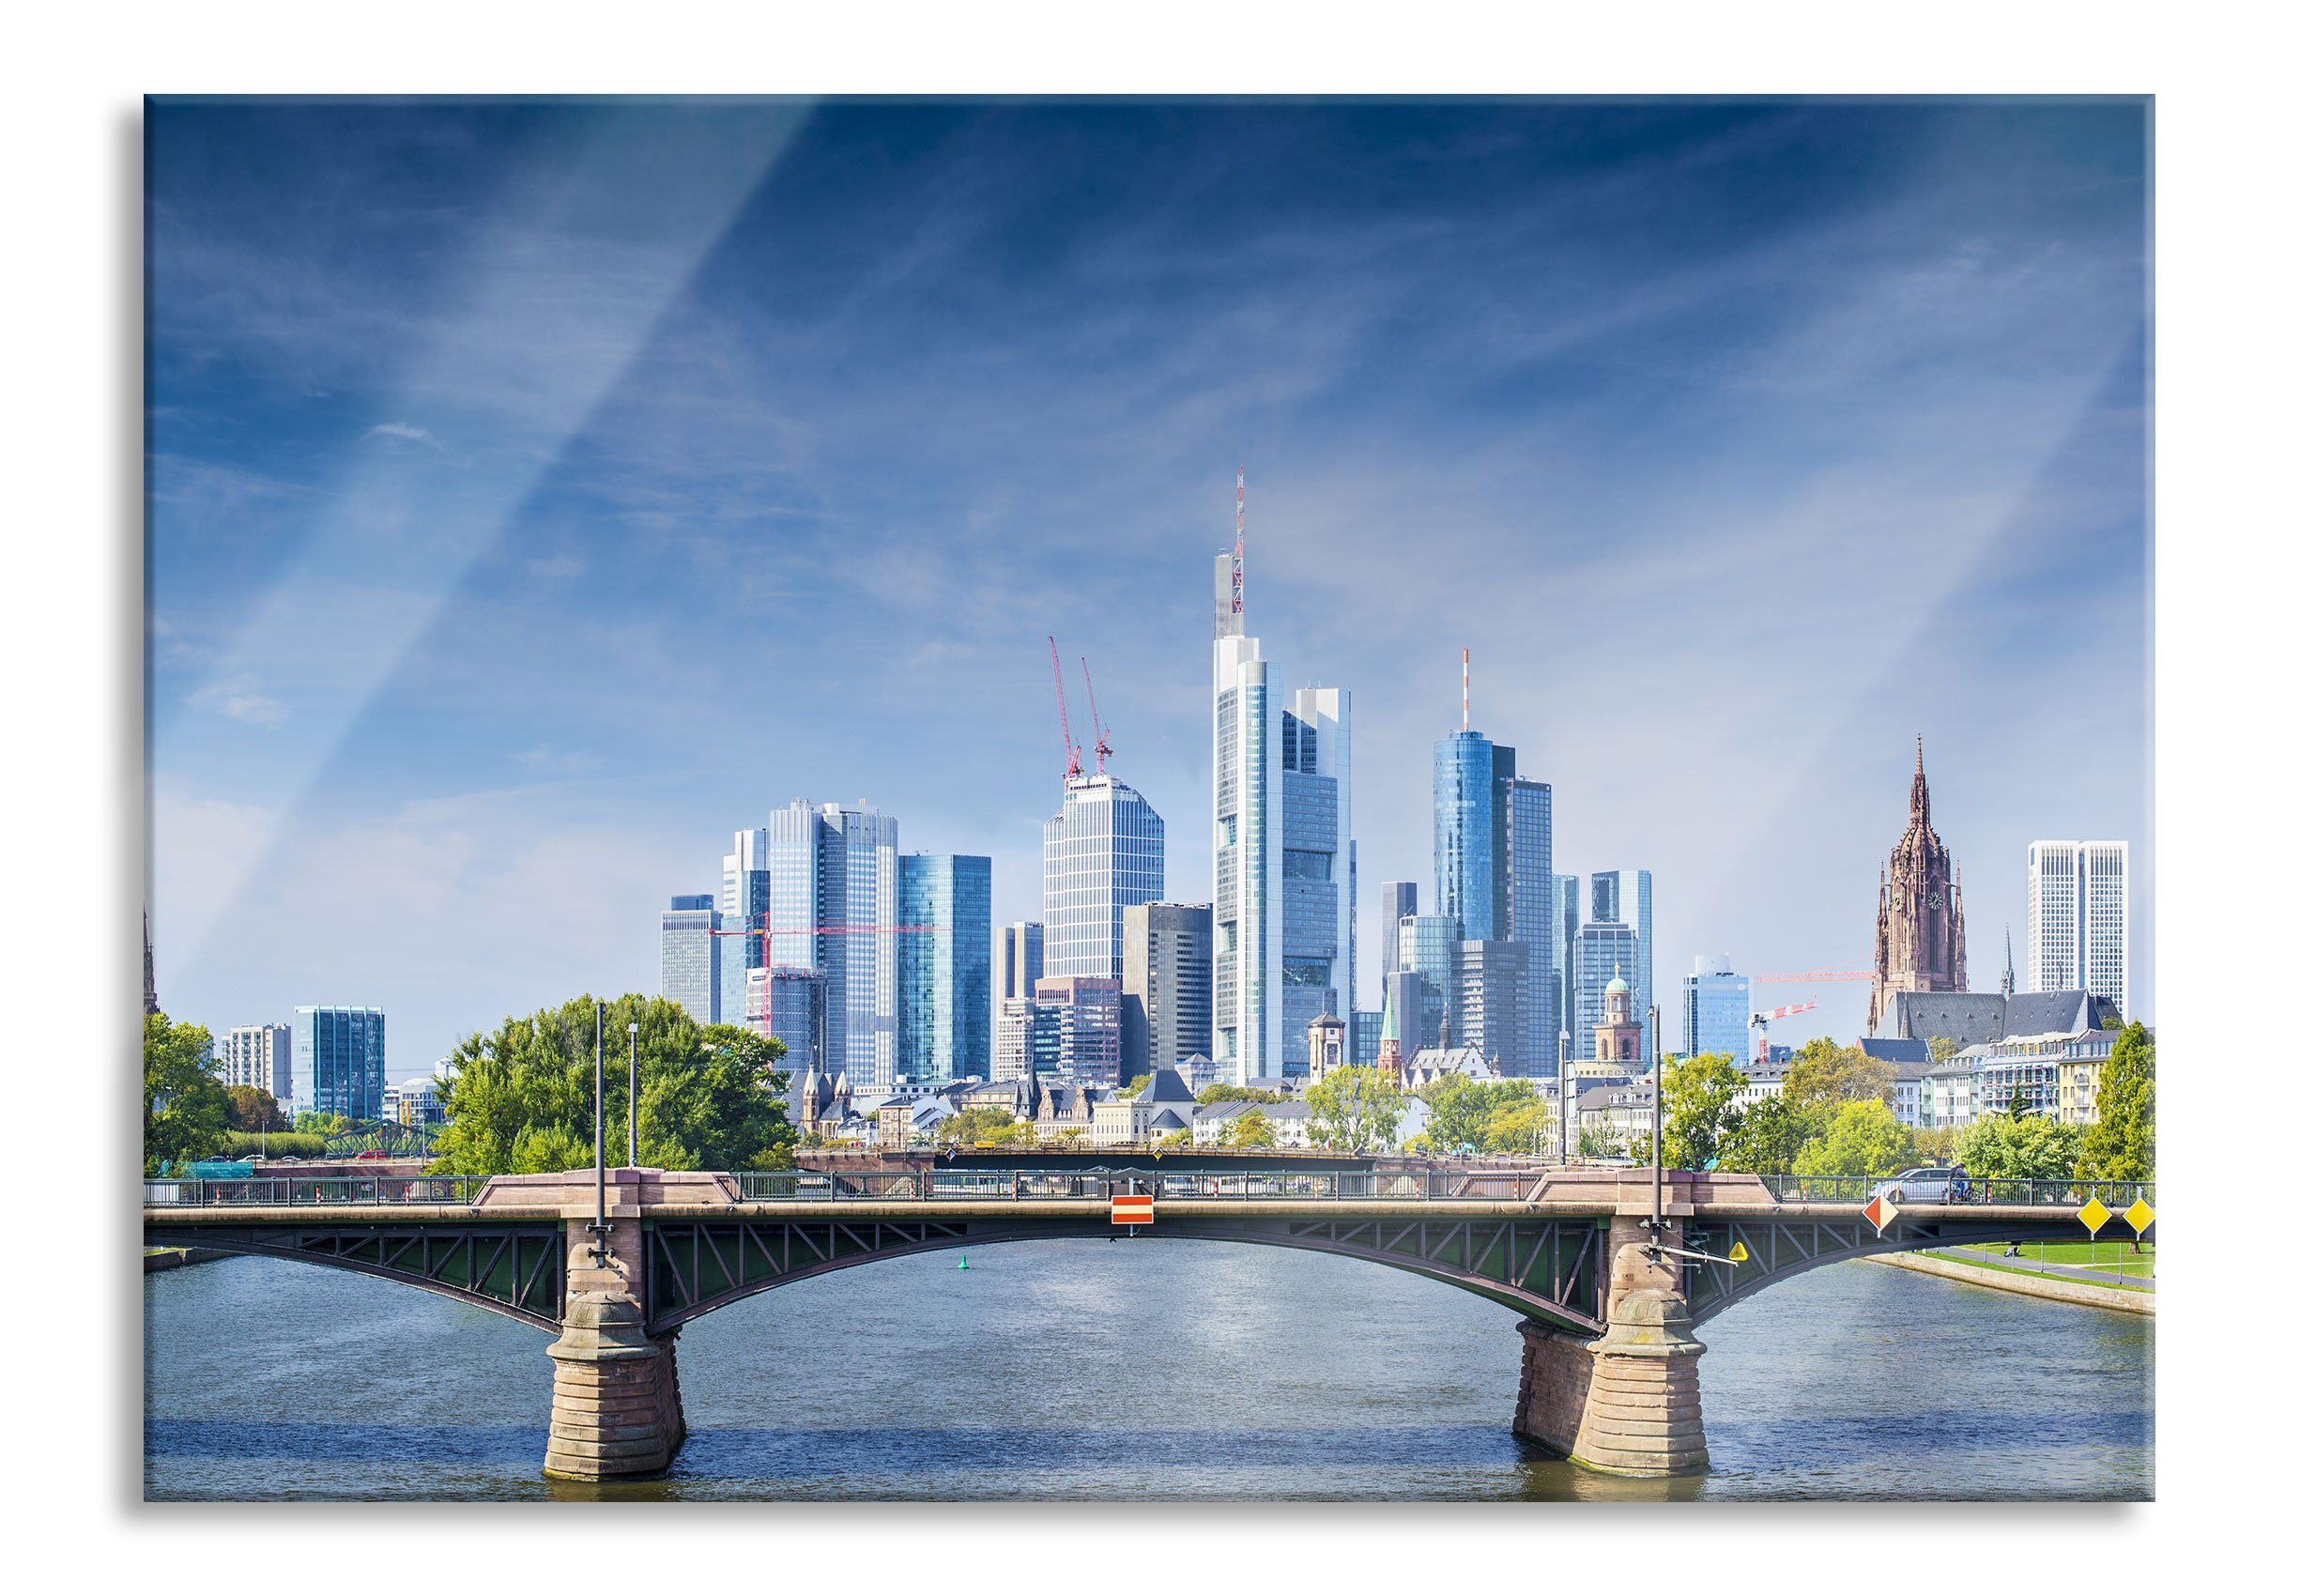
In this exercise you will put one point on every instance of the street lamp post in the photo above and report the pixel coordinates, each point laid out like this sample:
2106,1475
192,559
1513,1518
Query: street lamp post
634,1111
1652,1032
599,1132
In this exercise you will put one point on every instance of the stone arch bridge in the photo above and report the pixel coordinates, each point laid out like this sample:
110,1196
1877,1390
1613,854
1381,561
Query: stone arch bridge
1610,1363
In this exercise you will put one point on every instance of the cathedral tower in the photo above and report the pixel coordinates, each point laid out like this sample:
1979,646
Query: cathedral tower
1920,911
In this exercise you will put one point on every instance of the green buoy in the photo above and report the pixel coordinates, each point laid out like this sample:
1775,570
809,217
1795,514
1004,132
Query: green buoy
962,1260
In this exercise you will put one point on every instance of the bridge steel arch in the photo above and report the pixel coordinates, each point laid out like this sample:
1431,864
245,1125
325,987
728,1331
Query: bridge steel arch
1551,1268
518,1269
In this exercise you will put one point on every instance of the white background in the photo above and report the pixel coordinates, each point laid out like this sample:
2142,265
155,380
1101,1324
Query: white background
74,794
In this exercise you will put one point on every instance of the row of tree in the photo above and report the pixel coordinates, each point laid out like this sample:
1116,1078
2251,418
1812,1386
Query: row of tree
1833,1116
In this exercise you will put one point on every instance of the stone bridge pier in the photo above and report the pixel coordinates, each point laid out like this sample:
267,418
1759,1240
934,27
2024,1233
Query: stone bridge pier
615,1407
1628,1402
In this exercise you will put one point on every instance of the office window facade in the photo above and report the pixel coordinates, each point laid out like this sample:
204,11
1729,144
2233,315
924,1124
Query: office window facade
339,1065
1716,1018
944,1027
691,973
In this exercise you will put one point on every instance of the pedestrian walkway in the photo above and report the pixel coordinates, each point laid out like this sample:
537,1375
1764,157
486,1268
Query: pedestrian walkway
2037,1266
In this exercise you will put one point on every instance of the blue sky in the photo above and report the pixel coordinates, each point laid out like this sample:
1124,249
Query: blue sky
539,492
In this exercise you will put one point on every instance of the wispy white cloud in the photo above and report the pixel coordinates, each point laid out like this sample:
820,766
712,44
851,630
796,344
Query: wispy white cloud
239,699
408,432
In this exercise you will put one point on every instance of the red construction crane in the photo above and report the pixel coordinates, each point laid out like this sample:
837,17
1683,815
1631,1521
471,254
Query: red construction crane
1799,977
1102,750
1759,1021
1062,705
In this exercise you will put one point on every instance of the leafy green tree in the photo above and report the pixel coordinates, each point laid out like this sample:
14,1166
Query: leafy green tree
1252,1128
1173,1139
2019,1107
1862,1138
1770,1133
519,1101
1522,1129
1823,1074
185,1110
252,1108
1464,1113
2032,1147
1698,1110
1133,1088
312,1122
1014,1133
1596,1140
1943,1048
1355,1107
1933,1144
1223,1092
2122,1144
972,1127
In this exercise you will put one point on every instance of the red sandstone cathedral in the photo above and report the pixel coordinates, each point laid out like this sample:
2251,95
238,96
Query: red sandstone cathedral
1920,911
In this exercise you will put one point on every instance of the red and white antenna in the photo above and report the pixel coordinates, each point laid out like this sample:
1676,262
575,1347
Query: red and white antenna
1237,560
1464,689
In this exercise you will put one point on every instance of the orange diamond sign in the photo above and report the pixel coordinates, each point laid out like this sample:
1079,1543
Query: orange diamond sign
1880,1212
2141,1216
2094,1215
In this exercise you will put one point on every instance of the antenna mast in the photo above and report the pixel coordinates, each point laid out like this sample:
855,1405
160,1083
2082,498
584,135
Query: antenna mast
1237,561
1464,689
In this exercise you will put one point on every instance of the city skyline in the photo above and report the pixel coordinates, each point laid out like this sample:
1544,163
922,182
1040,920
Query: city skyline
1703,516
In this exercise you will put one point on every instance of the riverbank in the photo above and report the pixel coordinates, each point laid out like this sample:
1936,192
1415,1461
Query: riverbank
2055,1287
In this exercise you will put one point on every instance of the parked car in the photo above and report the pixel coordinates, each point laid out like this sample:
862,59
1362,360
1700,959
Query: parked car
1935,1183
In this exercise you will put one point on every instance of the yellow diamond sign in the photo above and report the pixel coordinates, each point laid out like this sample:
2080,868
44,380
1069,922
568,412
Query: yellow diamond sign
2141,1216
2094,1215
1739,1255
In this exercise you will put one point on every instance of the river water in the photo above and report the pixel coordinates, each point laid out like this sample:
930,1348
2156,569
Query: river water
1133,1370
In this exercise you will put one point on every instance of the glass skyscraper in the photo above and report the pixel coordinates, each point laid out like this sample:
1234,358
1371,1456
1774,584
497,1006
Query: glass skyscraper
1565,924
1430,945
2078,899
831,866
1527,889
743,906
1717,1009
944,1024
691,969
1601,950
1462,808
1399,900
339,1061
1282,847
1626,897
1104,853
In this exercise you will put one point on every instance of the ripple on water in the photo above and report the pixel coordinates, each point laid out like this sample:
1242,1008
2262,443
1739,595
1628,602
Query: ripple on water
1133,1370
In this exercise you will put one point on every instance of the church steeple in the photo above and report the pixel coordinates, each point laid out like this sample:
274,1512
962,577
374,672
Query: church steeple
1920,796
2008,962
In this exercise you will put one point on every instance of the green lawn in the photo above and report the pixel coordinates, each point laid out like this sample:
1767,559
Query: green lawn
2137,1259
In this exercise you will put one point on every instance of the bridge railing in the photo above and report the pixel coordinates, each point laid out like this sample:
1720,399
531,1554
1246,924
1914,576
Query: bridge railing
2009,1192
1022,1186
314,1192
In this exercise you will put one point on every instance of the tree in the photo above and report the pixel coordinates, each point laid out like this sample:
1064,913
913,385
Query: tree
1596,1140
1222,1091
1252,1128
2019,1107
1698,1110
185,1111
1772,1133
1355,1107
312,1122
972,1127
2122,1143
1943,1048
1133,1088
519,1101
252,1108
1013,1133
1822,1075
1933,1144
2032,1147
1522,1128
1465,1113
1861,1139
1174,1139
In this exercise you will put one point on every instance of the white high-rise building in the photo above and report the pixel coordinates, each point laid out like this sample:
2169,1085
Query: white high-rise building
831,865
257,1056
743,906
2079,899
1285,866
1103,854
